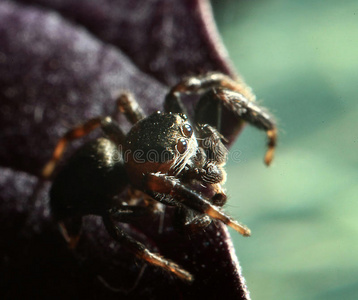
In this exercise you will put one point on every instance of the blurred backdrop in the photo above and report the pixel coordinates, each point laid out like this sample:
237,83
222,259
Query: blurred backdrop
301,58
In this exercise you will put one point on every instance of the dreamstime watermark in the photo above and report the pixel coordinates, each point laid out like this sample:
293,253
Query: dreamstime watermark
235,156
140,156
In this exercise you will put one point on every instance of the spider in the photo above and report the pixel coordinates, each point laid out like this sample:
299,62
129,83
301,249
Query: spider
164,156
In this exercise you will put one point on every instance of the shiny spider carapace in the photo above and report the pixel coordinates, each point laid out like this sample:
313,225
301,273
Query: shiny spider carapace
165,156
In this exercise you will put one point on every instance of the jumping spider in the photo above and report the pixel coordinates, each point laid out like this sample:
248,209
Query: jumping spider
187,157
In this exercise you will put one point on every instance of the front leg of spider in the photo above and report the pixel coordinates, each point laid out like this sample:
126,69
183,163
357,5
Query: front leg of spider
159,186
245,110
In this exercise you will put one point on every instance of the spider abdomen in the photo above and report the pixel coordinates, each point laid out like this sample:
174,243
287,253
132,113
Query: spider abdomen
89,181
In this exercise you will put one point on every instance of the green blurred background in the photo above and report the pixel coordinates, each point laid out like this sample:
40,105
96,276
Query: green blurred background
301,58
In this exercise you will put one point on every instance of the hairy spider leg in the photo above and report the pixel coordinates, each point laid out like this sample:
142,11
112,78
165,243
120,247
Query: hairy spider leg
173,103
248,111
189,220
70,230
200,84
69,136
127,104
140,250
109,127
159,186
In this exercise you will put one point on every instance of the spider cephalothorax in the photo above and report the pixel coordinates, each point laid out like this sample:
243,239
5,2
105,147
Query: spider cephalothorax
162,142
164,156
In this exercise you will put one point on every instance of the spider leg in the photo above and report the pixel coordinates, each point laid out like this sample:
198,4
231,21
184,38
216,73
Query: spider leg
110,128
198,85
201,83
173,103
69,136
160,186
70,230
127,104
140,250
244,109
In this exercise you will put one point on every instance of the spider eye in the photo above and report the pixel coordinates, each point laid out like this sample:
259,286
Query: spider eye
182,146
187,130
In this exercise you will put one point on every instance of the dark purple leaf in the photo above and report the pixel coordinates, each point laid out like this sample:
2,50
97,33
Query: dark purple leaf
167,39
58,69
